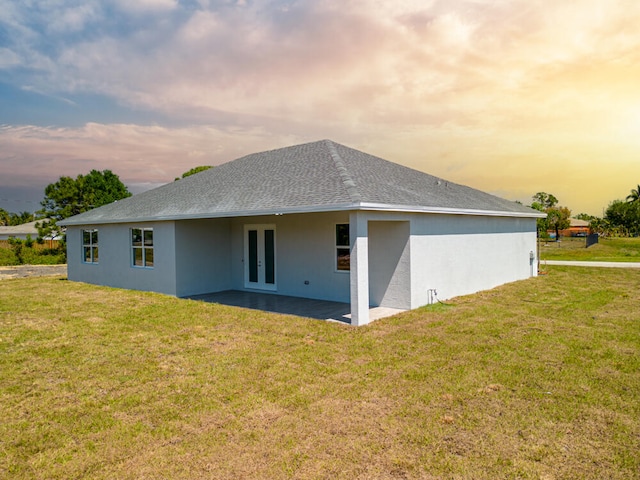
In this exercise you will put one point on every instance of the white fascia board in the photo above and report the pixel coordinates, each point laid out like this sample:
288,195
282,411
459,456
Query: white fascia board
449,211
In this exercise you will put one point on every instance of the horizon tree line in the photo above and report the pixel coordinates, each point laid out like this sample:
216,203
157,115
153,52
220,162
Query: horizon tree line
69,196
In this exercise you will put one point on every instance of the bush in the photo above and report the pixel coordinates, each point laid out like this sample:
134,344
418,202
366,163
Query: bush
16,247
7,257
19,252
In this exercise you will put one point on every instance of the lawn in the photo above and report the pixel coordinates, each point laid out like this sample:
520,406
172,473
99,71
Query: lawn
539,379
606,250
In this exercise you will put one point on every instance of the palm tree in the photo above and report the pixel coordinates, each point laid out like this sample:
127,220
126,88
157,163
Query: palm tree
634,196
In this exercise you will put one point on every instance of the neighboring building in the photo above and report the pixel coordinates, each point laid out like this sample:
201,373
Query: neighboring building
577,228
318,220
19,231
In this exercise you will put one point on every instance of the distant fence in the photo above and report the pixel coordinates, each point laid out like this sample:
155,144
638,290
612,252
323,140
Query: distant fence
36,245
592,239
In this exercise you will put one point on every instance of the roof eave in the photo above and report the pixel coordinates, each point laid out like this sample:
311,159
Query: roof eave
309,209
449,210
229,214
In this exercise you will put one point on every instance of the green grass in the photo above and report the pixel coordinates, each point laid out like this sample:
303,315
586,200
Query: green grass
606,250
536,379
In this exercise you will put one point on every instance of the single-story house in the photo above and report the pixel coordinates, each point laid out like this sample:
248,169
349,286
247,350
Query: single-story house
19,231
23,231
577,228
319,221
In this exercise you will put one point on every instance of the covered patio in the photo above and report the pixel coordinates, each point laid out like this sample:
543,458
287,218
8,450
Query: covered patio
301,307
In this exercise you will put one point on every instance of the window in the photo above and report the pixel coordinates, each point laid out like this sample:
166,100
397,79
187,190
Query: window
142,247
343,250
90,246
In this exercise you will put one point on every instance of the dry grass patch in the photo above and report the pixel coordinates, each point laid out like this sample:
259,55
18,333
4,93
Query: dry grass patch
536,379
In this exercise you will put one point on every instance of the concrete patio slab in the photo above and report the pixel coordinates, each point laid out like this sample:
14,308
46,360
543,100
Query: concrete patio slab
301,307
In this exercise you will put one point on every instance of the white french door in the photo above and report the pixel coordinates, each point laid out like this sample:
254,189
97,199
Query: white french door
260,256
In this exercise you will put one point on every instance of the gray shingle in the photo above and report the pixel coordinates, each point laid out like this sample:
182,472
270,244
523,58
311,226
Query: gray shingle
318,176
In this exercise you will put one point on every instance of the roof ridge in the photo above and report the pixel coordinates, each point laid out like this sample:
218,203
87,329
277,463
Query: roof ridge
347,181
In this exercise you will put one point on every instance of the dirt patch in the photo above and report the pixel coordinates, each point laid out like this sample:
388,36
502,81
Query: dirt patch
23,271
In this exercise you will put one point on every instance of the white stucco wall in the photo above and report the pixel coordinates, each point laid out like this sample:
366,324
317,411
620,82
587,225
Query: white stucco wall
460,255
305,252
115,268
406,255
203,256
389,264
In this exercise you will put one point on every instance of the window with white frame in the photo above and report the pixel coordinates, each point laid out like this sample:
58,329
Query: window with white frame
90,246
142,247
343,251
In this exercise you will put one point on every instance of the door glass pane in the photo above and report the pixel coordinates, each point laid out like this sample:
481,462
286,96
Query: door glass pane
269,254
253,255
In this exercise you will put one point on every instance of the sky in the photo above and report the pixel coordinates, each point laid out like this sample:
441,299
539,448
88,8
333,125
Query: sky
512,97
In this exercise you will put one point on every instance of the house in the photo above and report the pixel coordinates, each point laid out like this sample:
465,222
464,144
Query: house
319,221
19,231
25,230
577,228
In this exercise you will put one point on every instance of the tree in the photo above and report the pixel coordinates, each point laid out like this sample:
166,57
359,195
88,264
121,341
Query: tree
623,217
68,197
634,196
7,219
541,223
194,170
585,216
600,226
22,217
558,218
544,200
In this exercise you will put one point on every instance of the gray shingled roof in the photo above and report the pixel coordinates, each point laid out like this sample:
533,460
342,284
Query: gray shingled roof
318,176
19,231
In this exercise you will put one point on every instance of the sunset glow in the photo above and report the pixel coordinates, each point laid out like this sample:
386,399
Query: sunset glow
511,97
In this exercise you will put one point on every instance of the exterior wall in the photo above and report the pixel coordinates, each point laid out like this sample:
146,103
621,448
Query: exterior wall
359,266
405,255
200,256
305,252
203,256
461,255
389,264
114,267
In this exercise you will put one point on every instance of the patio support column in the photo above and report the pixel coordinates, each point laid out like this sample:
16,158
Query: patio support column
359,270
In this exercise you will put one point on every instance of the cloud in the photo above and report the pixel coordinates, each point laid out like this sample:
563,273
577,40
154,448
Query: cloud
139,154
146,6
72,18
465,89
365,61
